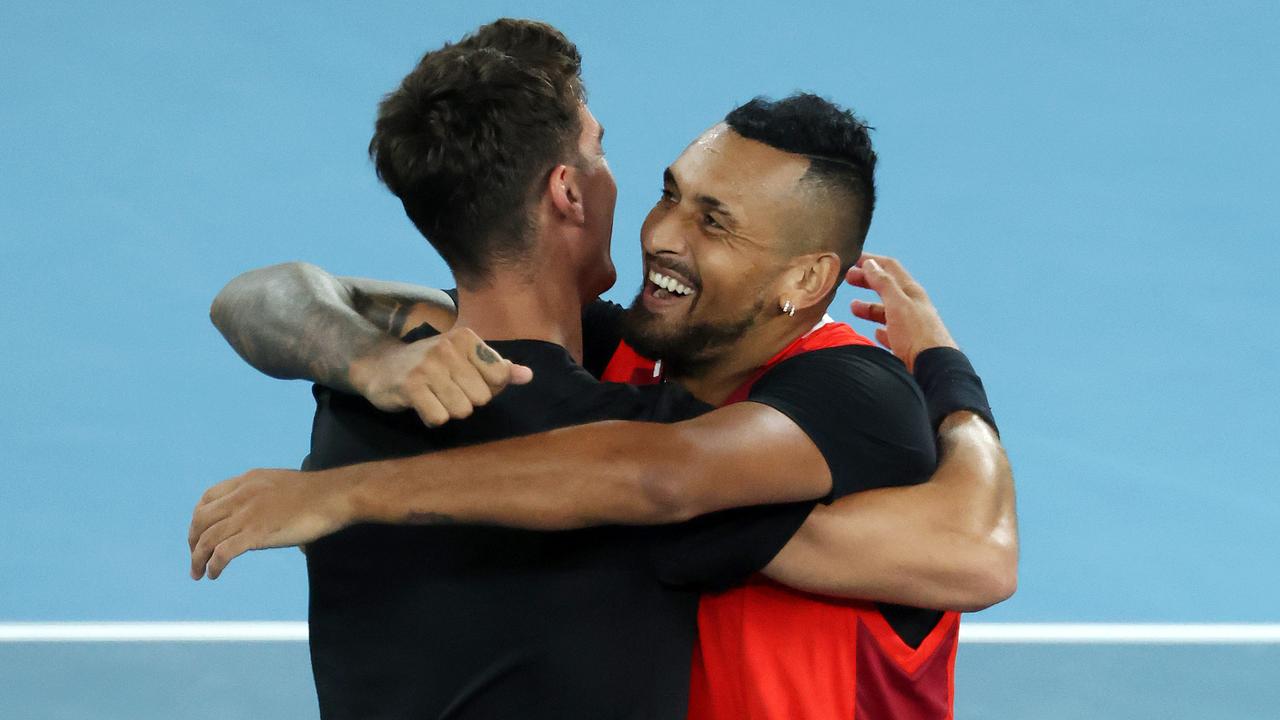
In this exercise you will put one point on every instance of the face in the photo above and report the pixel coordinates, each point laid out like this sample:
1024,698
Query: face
599,196
714,247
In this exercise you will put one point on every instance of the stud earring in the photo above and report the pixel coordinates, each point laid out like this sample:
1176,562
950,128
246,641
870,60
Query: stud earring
788,309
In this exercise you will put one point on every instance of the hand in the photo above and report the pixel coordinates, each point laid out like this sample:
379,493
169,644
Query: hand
443,377
911,323
263,509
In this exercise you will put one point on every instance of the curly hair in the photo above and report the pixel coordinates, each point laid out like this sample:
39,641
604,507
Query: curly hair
466,139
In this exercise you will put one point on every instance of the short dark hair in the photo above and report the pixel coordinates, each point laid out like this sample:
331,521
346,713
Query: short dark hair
471,132
837,143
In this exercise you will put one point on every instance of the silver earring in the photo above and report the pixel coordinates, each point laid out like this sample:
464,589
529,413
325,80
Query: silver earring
788,309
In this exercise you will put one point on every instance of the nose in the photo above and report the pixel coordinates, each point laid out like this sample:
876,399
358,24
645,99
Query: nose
661,234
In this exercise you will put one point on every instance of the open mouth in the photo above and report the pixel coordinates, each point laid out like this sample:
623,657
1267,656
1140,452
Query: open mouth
663,289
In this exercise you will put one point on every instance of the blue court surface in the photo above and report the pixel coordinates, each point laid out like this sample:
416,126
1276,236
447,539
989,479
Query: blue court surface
1087,189
231,681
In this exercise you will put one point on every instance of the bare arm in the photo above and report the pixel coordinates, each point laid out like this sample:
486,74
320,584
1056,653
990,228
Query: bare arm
295,320
950,543
601,473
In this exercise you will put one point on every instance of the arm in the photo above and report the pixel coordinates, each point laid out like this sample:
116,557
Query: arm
949,543
608,472
295,320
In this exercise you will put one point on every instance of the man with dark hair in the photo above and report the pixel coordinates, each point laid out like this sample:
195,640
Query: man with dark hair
422,614
835,196
444,141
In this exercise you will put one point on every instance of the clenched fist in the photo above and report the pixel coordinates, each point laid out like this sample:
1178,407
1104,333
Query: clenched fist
443,377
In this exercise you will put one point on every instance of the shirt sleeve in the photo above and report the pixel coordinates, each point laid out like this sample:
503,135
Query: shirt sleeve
861,409
717,551
601,333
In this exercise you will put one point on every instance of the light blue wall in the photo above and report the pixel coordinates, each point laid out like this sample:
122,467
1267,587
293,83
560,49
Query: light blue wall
1087,189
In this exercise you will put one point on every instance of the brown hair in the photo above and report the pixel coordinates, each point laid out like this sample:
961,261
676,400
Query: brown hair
467,139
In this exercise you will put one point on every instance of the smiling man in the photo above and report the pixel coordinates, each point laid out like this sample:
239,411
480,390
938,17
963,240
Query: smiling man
757,222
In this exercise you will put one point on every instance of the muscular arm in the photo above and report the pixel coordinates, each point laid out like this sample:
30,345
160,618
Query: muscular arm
607,472
610,472
950,543
294,320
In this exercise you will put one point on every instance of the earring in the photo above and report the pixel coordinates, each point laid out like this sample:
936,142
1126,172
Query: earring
788,309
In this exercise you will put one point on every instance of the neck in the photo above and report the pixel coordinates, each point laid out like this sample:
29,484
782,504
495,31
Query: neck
734,364
512,305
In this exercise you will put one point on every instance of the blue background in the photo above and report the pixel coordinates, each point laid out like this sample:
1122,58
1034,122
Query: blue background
1087,189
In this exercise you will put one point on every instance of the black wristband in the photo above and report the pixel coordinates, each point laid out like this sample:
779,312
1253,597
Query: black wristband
950,384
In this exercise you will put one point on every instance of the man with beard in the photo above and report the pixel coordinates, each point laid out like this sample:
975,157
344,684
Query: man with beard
757,222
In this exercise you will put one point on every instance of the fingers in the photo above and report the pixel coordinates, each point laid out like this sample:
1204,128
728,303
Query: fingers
886,269
429,409
856,276
448,377
225,552
868,311
474,385
223,488
520,374
497,371
880,280
202,551
882,337
209,511
452,398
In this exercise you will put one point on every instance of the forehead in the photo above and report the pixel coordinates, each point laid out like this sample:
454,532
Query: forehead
590,126
752,178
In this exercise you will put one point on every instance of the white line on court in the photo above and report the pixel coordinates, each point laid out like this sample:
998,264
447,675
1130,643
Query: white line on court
1121,633
970,633
154,632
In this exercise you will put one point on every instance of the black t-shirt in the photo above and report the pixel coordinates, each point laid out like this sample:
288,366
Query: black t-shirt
488,622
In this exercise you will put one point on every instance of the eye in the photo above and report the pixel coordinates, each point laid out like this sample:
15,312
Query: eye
667,195
710,222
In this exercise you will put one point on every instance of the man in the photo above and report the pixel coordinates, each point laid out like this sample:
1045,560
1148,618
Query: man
712,345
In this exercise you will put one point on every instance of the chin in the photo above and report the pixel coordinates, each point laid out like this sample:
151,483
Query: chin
603,280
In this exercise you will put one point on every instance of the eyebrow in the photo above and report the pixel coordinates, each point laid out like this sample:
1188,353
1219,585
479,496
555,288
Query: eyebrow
706,200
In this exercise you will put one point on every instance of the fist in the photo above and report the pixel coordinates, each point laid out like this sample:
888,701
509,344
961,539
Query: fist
441,378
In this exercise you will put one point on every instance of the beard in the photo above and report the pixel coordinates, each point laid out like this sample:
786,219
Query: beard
688,349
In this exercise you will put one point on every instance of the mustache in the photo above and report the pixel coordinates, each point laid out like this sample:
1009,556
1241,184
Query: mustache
675,266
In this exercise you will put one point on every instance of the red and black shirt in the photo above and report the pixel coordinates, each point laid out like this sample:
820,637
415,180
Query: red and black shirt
767,651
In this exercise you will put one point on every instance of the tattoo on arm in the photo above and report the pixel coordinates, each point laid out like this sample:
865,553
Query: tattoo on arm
295,321
388,313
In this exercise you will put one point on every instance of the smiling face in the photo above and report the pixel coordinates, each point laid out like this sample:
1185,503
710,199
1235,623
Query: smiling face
714,246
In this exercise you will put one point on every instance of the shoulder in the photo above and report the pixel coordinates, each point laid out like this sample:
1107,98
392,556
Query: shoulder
861,408
866,372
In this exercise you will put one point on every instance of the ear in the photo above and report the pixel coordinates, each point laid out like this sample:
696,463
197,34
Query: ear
811,279
566,196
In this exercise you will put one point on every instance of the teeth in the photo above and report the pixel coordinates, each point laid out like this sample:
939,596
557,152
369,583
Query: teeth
668,283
